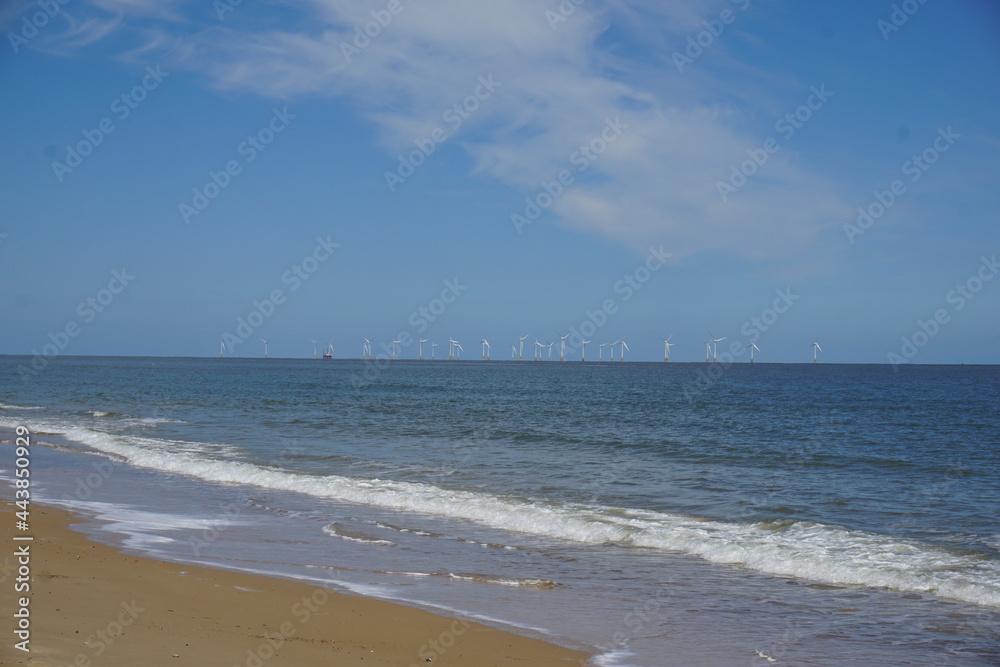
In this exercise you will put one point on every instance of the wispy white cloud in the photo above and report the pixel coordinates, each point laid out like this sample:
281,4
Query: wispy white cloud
609,59
86,32
76,25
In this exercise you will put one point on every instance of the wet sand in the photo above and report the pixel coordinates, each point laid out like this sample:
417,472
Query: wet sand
92,605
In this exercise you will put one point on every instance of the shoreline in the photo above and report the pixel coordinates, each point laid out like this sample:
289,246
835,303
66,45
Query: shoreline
91,604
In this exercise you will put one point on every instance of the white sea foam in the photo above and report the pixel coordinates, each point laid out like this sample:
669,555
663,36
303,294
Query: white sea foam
335,531
153,421
142,530
503,581
4,406
122,420
618,658
399,529
801,549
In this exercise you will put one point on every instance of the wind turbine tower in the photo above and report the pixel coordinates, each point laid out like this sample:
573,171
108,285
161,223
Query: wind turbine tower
666,348
715,351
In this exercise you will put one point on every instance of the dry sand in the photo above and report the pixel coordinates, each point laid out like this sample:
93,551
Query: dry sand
91,605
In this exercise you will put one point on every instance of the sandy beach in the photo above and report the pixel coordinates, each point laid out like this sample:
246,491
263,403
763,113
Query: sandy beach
91,605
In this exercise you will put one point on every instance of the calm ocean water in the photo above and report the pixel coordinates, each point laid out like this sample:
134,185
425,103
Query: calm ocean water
656,514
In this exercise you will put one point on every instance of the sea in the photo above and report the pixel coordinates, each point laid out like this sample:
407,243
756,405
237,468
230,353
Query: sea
653,514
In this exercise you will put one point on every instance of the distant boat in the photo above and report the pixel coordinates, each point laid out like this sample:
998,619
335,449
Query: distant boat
328,354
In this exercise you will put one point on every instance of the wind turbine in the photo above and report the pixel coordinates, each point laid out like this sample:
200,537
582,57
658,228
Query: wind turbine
538,350
222,348
550,349
600,351
624,347
562,347
433,347
451,349
394,344
366,349
265,347
520,349
486,349
583,354
314,348
708,351
753,346
513,352
458,350
715,351
421,343
666,348
816,347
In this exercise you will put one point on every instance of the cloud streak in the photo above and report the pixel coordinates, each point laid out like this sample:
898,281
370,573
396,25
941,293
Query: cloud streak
654,185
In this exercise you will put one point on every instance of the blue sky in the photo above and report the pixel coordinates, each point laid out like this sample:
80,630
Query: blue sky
644,129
